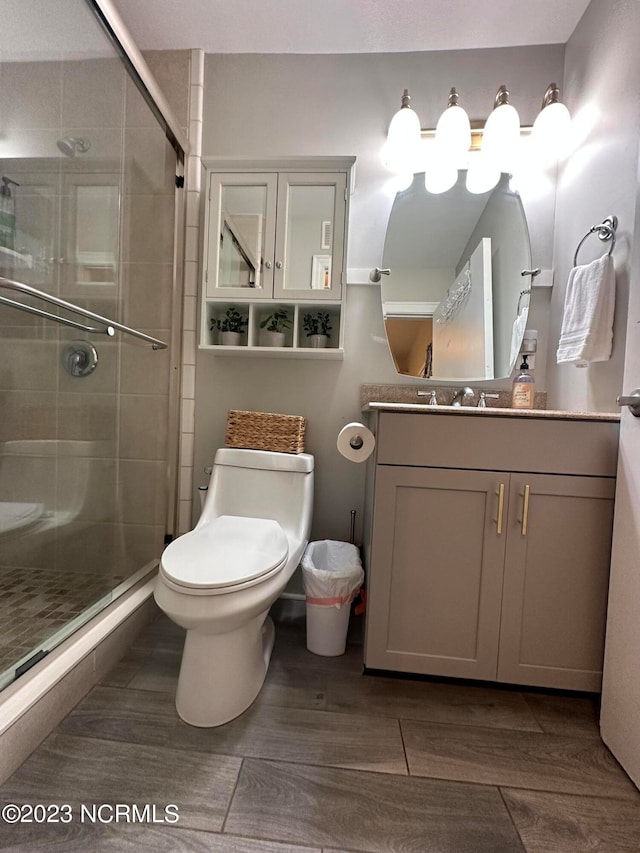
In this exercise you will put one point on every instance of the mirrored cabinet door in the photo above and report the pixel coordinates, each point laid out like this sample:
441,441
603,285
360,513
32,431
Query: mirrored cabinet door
309,246
240,232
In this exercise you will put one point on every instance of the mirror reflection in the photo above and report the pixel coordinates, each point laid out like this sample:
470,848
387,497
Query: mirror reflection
455,304
308,246
242,221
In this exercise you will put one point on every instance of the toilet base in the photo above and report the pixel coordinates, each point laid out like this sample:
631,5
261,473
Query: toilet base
221,674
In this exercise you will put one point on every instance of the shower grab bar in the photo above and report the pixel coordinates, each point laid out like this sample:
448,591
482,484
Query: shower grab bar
10,284
31,309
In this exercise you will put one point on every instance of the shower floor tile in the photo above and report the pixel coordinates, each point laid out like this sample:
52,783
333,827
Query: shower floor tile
36,603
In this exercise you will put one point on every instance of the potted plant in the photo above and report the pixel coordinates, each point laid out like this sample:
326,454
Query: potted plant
230,327
317,326
274,328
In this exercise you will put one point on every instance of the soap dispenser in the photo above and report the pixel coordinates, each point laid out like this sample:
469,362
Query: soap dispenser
7,214
524,387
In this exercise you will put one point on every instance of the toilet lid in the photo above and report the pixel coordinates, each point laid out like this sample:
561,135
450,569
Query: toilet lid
230,550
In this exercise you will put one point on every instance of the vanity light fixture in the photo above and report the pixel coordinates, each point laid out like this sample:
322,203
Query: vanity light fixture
402,147
451,146
501,132
494,147
453,131
500,140
550,135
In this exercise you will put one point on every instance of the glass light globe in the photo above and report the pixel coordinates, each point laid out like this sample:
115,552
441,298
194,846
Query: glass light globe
403,140
501,137
402,181
551,132
453,131
482,175
440,175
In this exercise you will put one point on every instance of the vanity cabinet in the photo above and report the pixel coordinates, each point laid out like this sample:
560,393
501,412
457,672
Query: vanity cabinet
275,240
497,570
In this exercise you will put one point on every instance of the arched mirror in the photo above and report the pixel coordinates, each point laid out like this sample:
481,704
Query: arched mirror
455,303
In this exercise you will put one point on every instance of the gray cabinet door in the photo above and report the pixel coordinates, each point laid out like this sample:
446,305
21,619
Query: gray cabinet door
435,577
555,581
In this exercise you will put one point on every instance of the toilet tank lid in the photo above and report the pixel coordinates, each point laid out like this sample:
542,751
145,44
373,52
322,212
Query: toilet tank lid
265,459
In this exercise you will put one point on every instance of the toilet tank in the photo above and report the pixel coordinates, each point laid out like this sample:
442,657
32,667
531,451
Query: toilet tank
262,484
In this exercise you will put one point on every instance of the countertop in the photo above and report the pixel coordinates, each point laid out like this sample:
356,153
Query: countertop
404,398
553,414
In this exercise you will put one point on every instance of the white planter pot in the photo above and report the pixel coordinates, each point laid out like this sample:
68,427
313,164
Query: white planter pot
318,341
230,339
272,339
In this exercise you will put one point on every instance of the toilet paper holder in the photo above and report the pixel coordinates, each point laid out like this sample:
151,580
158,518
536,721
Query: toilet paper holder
355,442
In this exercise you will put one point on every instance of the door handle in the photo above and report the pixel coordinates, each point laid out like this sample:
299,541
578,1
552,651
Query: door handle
632,401
500,509
525,510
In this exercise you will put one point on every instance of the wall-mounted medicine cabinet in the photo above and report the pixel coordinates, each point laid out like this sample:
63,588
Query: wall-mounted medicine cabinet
275,241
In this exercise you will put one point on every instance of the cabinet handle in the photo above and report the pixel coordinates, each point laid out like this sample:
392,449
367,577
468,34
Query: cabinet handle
267,264
500,509
525,510
279,265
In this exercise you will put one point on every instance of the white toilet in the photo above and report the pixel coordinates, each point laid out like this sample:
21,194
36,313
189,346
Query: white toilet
219,580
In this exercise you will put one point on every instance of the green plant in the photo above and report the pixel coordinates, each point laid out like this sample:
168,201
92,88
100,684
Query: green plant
276,322
317,324
233,321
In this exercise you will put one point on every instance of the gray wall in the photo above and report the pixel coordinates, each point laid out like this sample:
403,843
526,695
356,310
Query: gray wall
602,69
273,105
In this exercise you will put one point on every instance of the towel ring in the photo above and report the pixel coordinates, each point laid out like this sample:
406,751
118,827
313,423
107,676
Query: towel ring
606,230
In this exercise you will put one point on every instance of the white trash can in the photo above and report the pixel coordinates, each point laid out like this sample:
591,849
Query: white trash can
332,574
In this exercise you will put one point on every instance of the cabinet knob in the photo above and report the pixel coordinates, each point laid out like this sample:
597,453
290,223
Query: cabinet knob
267,264
279,265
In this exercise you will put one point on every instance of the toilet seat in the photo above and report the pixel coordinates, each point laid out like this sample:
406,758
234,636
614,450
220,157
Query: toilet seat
231,551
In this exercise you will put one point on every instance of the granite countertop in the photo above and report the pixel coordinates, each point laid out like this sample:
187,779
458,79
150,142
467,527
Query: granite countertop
553,414
403,398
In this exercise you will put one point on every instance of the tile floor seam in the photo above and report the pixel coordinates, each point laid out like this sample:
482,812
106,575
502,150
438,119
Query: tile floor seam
502,729
271,839
158,746
512,819
610,798
302,845
349,714
379,773
532,710
233,793
404,748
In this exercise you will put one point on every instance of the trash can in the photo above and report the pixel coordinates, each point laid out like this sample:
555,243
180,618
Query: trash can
332,575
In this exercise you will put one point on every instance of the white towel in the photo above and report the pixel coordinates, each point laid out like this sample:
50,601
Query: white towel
517,333
587,324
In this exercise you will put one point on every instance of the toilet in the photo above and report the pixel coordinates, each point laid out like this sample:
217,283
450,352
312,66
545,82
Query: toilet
219,580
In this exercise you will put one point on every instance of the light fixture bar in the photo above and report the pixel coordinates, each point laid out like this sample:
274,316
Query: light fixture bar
477,131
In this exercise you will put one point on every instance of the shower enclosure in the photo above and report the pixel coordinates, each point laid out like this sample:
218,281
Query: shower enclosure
89,213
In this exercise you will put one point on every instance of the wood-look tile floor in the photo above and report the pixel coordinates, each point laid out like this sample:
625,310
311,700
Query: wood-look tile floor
328,760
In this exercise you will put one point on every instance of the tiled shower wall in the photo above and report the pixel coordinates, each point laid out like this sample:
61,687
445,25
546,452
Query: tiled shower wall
118,413
192,253
180,75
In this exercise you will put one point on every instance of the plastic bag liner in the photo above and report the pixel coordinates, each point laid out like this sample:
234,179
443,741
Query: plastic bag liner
332,572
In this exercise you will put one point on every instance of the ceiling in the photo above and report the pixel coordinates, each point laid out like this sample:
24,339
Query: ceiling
347,26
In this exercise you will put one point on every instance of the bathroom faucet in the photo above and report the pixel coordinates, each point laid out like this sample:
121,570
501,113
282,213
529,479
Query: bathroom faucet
461,395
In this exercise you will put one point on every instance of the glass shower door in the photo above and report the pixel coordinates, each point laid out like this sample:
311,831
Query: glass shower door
88,218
